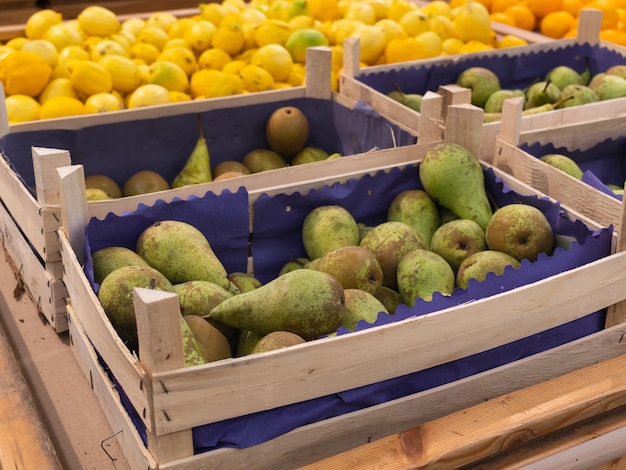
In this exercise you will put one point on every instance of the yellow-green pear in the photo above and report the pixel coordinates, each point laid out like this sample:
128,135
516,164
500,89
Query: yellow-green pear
416,208
181,252
477,265
247,341
305,302
563,163
276,340
191,347
327,228
110,258
421,273
242,282
457,239
197,168
389,297
361,305
213,345
198,297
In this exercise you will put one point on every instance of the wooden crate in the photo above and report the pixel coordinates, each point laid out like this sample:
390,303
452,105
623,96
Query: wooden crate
30,193
167,401
517,68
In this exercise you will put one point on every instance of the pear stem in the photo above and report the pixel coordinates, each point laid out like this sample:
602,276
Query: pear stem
200,126
547,85
397,88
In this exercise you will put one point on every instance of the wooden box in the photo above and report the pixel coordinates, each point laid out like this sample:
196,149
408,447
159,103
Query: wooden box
516,67
163,413
160,138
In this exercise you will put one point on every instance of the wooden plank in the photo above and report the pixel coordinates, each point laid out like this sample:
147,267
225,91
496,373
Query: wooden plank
467,436
24,440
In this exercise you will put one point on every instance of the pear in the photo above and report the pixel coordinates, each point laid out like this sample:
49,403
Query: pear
576,95
563,163
230,166
389,297
482,81
421,273
540,93
457,239
117,299
105,183
454,179
327,228
608,87
416,208
276,340
496,99
287,131
242,282
259,160
563,75
477,265
213,345
197,168
361,305
247,341
445,215
144,182
411,100
389,241
181,252
293,264
199,297
306,302
521,231
309,155
96,194
363,230
110,258
492,117
618,69
191,347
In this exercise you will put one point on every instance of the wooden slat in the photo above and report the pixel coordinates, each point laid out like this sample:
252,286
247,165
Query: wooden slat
471,434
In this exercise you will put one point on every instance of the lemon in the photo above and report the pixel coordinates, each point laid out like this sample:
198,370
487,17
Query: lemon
213,59
145,52
125,73
472,23
162,19
181,56
200,35
90,78
414,22
451,46
510,40
44,49
169,75
324,10
372,41
403,48
58,87
213,12
252,16
214,83
63,35
154,36
474,46
61,106
398,8
229,37
274,59
390,27
179,96
297,75
254,78
299,41
437,8
133,25
103,103
64,69
4,50
272,31
123,40
177,30
248,36
21,108
278,10
360,11
336,58
40,21
73,52
148,95
107,47
342,29
97,20
24,73
234,66
17,43
246,55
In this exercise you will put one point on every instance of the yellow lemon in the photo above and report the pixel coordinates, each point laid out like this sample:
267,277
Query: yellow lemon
274,59
390,27
4,50
44,49
372,41
177,30
234,66
360,11
145,52
181,56
213,12
441,25
324,10
176,42
17,43
342,29
398,9
299,41
248,36
21,108
403,48
61,106
152,35
103,103
451,46
179,96
246,55
302,21
162,19
474,46
124,40
278,10
199,35
63,35
510,40
438,7
272,31
214,83
472,23
64,68
169,75
297,75
40,21
133,25
125,73
148,95
255,79
73,52
229,37
431,43
336,58
24,73
58,87
213,59
107,47
414,22
90,78
252,16
97,20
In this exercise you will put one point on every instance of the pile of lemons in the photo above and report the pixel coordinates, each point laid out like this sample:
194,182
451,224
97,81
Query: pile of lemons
98,62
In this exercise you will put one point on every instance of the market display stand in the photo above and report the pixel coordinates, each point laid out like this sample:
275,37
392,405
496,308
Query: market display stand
49,416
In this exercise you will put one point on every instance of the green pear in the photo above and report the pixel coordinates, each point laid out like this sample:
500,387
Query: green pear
540,93
247,341
521,231
117,298
563,163
477,265
259,160
197,168
457,239
306,302
416,208
618,69
309,155
293,264
445,215
361,305
276,340
242,282
363,229
389,241
492,117
576,95
199,297
496,99
609,87
482,81
229,166
411,100
96,194
389,297
181,252
454,179
213,345
354,267
327,228
110,258
421,273
563,75
191,347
